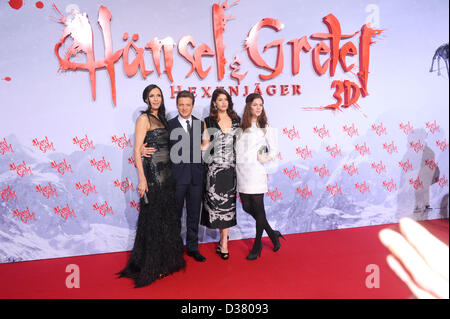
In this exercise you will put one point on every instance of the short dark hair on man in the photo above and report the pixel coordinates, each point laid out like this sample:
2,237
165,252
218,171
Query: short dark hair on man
185,94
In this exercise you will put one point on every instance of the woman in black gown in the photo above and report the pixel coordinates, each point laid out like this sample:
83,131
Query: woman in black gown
158,246
219,204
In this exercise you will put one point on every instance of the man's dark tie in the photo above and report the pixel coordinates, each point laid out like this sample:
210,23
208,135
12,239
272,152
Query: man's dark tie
188,126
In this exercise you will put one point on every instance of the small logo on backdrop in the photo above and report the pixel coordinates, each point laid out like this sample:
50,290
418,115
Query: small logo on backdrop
351,169
334,190
363,188
406,128
44,145
362,149
322,171
87,188
350,130
442,182
406,166
62,167
24,215
291,133
334,151
101,165
304,192
291,173
390,148
432,127
83,143
379,129
431,164
124,186
304,152
65,212
8,194
417,146
5,147
274,195
134,204
122,141
21,169
103,209
443,145
416,183
47,191
132,161
321,132
390,185
379,167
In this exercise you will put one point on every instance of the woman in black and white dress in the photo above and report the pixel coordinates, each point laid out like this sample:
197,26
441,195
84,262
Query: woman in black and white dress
219,204
256,145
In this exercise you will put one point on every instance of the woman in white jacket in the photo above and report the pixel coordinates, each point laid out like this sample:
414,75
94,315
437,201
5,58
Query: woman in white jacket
255,146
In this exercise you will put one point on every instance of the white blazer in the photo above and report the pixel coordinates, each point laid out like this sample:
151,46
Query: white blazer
251,173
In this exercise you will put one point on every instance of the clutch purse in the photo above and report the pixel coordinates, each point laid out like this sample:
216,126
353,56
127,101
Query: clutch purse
145,198
263,150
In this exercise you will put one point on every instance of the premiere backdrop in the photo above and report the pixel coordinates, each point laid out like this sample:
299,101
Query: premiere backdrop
362,123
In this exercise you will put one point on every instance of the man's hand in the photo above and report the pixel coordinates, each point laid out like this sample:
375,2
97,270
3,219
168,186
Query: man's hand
147,151
419,259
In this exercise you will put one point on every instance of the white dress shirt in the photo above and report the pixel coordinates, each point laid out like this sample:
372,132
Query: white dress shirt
251,174
183,122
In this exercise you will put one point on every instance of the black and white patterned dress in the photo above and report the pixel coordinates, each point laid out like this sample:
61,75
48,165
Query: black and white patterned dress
219,203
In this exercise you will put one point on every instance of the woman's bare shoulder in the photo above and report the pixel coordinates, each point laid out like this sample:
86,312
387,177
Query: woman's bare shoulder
143,121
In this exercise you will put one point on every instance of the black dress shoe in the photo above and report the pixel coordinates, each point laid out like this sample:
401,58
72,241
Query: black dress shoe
196,255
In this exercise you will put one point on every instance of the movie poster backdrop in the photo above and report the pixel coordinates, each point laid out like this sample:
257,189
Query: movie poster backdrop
356,90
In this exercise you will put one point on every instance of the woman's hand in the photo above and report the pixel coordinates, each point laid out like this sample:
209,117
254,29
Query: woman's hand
142,187
263,157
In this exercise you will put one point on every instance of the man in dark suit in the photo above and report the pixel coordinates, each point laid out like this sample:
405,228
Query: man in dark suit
187,169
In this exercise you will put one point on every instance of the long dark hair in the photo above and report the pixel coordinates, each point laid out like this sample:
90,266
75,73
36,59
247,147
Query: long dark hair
213,111
162,107
247,116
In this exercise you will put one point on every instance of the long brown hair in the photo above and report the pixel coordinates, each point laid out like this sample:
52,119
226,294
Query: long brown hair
247,116
213,111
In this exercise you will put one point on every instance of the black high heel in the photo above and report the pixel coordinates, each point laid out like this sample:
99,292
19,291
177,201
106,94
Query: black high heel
277,244
219,249
255,253
224,256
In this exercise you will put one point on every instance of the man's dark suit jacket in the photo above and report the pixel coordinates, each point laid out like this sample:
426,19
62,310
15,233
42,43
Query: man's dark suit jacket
190,169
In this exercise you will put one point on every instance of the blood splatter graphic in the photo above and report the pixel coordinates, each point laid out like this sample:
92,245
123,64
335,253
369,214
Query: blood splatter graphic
15,4
39,5
7,79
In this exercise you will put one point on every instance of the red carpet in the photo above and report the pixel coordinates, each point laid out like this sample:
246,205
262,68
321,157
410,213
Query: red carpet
327,264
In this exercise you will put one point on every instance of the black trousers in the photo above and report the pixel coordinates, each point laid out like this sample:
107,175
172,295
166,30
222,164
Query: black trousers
193,196
253,204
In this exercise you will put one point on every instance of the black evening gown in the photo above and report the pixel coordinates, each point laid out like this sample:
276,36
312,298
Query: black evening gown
219,202
158,246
